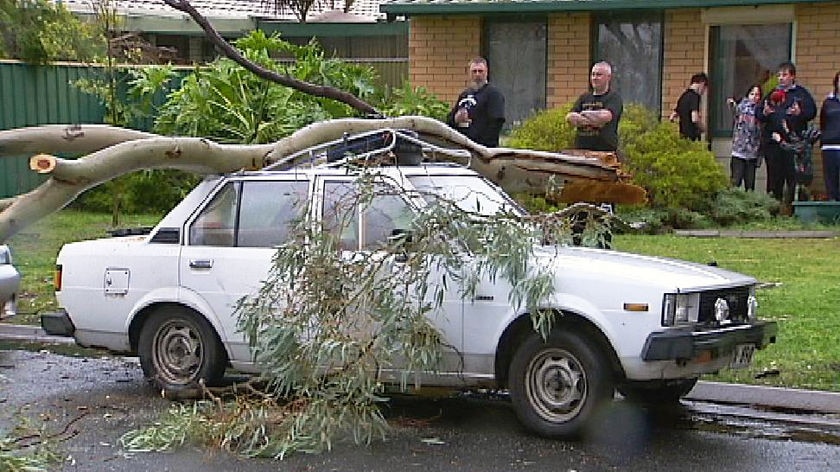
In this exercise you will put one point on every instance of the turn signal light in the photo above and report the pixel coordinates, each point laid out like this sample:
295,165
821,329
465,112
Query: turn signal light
57,278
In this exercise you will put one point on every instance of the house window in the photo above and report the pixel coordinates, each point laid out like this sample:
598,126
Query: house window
516,54
741,55
633,45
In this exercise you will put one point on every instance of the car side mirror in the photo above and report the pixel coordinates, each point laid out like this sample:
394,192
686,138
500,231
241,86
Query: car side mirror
398,239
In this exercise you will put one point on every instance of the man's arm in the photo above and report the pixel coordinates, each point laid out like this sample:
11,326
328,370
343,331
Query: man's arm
698,120
597,118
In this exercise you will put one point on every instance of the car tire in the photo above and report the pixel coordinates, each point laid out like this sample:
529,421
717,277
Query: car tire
558,385
657,393
177,348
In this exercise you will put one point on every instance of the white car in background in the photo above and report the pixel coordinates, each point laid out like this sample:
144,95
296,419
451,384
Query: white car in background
9,283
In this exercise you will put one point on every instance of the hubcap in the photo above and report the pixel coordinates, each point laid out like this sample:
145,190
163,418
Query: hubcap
556,385
178,353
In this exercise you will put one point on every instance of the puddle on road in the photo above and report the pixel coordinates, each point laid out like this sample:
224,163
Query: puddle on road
763,424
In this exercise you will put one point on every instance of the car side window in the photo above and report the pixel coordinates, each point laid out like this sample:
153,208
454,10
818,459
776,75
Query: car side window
385,212
215,225
269,210
251,214
341,214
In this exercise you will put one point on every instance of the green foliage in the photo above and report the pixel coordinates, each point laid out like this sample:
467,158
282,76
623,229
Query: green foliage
130,94
229,104
155,191
636,120
535,204
676,172
547,130
409,100
737,206
39,31
27,449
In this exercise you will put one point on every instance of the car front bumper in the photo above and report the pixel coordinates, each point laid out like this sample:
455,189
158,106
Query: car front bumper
685,345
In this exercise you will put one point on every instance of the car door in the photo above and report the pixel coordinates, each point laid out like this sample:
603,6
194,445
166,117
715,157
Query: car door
362,225
229,247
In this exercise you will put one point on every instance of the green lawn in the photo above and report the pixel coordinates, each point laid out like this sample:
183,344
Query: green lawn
805,298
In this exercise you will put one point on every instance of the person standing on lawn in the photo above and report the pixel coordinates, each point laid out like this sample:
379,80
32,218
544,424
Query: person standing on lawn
784,111
830,128
746,139
596,113
479,111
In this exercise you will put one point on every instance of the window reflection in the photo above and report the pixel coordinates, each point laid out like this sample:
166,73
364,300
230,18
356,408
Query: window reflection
743,55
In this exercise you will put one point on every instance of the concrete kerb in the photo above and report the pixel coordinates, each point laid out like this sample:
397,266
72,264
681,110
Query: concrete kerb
757,234
715,392
773,397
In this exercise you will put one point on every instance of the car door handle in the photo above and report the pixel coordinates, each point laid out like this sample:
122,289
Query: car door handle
201,263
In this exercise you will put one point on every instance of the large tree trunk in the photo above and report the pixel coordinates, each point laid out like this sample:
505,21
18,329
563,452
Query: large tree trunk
117,151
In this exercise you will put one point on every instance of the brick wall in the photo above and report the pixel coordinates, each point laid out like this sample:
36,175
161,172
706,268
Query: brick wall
440,49
683,55
568,57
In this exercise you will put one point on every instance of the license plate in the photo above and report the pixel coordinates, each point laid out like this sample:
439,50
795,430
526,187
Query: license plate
743,356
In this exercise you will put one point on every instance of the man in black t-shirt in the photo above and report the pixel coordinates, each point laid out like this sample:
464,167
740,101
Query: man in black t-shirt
688,108
479,112
595,114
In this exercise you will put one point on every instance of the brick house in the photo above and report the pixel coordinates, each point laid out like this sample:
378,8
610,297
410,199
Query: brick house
540,51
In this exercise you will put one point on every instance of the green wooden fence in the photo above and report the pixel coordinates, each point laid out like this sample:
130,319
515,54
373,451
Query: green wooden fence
32,95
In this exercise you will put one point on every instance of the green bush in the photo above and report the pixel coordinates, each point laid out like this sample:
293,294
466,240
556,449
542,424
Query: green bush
149,191
409,100
636,120
546,130
676,172
737,206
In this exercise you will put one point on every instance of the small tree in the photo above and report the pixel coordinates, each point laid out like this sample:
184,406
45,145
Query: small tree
40,31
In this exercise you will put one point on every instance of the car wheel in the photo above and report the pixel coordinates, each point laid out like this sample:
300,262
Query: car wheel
557,385
658,393
177,348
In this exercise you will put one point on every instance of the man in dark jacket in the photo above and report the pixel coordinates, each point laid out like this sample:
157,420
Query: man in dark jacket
785,117
687,110
479,112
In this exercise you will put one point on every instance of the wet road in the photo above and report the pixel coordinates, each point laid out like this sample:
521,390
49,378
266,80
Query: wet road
88,403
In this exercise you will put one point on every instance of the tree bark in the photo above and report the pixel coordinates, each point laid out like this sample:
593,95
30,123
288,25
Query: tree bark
116,151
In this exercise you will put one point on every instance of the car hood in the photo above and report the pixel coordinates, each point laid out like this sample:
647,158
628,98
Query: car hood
671,275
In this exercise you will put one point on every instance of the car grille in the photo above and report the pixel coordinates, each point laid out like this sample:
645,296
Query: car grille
737,299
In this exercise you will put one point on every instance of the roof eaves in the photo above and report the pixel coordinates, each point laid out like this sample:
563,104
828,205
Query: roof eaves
473,7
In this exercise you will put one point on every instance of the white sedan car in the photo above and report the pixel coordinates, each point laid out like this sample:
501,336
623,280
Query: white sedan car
646,326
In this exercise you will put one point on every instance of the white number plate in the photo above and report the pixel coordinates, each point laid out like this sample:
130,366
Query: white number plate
743,356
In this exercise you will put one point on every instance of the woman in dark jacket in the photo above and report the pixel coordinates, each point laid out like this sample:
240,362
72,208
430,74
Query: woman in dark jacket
830,127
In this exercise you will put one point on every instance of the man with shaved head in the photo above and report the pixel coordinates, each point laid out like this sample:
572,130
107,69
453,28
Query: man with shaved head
595,114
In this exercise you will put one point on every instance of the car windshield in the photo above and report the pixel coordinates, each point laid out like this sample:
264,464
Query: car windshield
469,193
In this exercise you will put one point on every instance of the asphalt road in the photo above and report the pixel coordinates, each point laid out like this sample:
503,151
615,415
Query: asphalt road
88,403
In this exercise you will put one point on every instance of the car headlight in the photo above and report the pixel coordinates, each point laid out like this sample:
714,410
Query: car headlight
680,308
752,308
721,310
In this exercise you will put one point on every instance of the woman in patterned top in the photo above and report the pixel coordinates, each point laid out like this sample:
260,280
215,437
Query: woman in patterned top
746,139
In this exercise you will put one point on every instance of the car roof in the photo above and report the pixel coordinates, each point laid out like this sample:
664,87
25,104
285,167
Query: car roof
429,168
